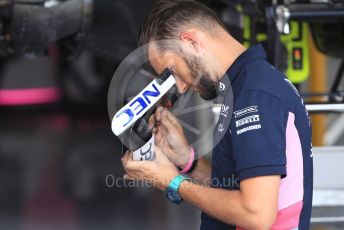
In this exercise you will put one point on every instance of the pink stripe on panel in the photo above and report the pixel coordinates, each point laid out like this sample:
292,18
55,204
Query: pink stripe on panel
291,188
29,96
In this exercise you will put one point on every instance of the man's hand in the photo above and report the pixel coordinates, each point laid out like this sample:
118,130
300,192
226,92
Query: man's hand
169,136
159,172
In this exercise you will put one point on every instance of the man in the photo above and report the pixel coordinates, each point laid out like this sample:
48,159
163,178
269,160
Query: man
267,146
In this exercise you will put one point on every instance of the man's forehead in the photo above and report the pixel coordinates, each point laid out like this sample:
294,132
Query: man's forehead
152,50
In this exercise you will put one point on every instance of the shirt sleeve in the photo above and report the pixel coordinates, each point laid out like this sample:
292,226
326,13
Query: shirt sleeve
258,135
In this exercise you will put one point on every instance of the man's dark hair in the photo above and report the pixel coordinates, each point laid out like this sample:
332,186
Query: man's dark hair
168,18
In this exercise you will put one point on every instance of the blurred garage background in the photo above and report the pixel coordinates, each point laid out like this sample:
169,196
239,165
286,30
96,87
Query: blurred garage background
59,160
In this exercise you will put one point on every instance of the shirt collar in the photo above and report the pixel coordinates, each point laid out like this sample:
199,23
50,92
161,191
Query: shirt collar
253,53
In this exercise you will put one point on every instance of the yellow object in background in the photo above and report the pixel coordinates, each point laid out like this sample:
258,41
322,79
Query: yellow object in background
296,43
298,52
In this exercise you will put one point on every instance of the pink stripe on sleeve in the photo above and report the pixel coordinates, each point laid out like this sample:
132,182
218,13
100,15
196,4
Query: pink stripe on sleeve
291,188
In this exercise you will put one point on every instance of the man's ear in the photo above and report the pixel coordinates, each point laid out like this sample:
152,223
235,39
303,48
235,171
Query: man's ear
191,39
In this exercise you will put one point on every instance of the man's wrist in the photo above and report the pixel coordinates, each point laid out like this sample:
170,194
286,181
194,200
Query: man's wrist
192,163
185,157
186,169
171,191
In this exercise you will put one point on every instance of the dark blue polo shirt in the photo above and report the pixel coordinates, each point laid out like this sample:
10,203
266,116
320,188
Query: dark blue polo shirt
268,133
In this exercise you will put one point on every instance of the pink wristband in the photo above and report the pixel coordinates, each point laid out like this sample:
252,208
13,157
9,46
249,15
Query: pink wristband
188,166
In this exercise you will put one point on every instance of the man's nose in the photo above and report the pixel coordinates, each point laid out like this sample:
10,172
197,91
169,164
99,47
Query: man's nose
181,86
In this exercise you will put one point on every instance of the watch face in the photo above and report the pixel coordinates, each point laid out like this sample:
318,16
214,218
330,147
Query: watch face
173,196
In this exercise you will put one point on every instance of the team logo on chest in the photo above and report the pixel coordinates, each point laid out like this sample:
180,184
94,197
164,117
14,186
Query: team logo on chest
247,110
222,86
224,110
247,120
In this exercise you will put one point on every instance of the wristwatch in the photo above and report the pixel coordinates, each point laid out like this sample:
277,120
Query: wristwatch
171,191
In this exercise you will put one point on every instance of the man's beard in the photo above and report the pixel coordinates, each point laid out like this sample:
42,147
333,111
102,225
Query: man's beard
206,86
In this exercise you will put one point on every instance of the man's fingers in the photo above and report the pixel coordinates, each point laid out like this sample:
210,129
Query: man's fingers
157,151
128,156
173,119
151,122
162,155
158,114
158,135
125,156
165,121
129,164
127,177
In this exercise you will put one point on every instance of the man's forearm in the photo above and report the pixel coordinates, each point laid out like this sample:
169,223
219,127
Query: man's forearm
202,172
230,207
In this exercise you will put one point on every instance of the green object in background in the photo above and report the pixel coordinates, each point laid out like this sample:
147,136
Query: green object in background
297,47
298,52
